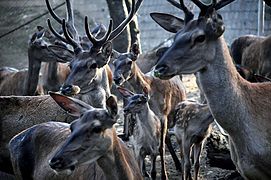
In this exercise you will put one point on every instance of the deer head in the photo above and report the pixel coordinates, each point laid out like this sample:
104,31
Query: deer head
194,43
136,102
91,134
86,62
41,50
124,64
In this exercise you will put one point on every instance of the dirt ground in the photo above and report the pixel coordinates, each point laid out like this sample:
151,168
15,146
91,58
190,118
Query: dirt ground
206,172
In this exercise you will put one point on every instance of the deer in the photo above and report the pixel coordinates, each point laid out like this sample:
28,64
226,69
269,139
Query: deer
249,75
88,148
240,44
253,54
147,130
240,107
164,95
193,126
25,81
88,78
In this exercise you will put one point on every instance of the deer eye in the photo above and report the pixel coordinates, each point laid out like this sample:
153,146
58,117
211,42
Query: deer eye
129,62
200,39
93,66
97,129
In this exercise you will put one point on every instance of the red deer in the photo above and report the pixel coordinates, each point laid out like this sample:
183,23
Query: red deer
146,135
253,52
193,126
25,82
240,107
164,95
88,78
56,150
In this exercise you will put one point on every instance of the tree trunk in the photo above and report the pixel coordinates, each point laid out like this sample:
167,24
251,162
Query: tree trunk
134,28
118,12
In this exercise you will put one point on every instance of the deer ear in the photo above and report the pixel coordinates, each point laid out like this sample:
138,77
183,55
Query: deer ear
73,106
33,38
168,22
40,28
112,106
61,53
107,50
125,92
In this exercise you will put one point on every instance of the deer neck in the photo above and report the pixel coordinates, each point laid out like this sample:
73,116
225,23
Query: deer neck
115,164
221,85
97,90
32,79
53,71
52,79
138,80
146,117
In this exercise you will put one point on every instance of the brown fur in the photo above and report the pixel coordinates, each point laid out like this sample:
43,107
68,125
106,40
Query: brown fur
13,82
53,76
253,53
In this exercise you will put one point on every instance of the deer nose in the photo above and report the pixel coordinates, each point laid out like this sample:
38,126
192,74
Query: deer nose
125,110
66,89
159,70
117,80
56,163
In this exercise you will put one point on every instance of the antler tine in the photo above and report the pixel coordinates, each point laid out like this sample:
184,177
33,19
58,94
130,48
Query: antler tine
222,3
53,14
189,15
56,33
70,15
70,20
107,35
202,6
121,27
97,43
71,41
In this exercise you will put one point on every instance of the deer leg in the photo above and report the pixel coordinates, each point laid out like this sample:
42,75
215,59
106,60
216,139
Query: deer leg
162,149
181,156
153,166
146,174
197,150
126,128
187,164
192,154
141,165
173,154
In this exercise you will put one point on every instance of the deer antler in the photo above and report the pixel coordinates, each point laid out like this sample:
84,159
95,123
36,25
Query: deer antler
70,18
97,43
204,8
121,27
68,39
189,15
110,35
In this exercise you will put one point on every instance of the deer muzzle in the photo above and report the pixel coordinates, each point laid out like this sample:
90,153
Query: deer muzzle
159,71
70,90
